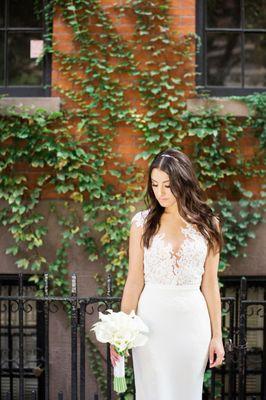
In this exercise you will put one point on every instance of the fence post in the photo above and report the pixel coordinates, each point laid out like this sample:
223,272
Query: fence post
21,345
1,311
82,349
109,369
231,349
74,331
242,339
46,340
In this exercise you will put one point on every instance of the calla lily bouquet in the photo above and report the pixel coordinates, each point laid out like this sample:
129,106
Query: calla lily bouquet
123,331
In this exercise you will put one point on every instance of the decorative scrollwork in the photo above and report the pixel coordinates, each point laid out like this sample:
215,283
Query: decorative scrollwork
14,306
3,307
53,306
27,306
102,306
255,309
226,306
91,309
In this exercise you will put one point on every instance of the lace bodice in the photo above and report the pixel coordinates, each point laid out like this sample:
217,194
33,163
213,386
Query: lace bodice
164,265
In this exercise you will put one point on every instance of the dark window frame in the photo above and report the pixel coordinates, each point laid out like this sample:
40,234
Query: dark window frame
27,90
13,280
201,67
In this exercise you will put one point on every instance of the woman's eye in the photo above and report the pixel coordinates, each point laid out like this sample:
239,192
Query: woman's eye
157,186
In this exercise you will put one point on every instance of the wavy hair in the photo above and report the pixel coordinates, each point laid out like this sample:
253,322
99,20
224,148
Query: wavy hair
191,199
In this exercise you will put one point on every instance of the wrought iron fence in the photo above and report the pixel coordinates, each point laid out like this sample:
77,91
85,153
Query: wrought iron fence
228,382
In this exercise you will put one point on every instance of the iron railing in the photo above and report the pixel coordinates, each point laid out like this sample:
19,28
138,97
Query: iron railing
228,382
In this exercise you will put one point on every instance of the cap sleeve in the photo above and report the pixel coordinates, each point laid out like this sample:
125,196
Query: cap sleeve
139,218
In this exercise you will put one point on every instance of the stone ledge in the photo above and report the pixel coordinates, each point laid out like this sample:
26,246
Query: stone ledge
29,104
228,106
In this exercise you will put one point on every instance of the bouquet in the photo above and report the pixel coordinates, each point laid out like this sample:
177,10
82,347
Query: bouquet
123,331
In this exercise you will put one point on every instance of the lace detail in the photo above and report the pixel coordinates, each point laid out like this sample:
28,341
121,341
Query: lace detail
165,266
139,218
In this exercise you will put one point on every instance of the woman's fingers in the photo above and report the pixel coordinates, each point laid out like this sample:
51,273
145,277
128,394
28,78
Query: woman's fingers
211,356
218,361
114,356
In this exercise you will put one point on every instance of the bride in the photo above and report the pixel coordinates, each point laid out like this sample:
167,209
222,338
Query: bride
172,283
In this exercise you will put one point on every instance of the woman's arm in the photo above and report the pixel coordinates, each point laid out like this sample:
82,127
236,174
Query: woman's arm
135,278
211,292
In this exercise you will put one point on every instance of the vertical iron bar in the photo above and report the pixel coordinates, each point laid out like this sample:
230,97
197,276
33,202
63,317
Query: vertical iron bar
46,340
222,377
108,358
82,349
1,304
10,343
21,344
231,364
213,373
74,342
263,380
242,340
33,395
60,396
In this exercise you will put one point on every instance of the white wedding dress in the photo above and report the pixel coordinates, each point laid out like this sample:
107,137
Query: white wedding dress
171,365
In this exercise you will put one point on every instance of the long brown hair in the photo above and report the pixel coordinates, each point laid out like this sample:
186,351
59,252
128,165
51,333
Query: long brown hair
191,199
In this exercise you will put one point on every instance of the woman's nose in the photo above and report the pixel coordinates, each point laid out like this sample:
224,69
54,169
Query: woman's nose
160,191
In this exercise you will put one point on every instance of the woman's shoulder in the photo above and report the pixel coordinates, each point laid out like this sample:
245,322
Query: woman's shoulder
139,217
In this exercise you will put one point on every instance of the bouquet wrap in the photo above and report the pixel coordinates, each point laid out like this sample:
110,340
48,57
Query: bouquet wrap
123,331
120,385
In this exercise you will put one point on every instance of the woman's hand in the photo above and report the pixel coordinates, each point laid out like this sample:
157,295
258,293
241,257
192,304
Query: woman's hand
114,355
216,347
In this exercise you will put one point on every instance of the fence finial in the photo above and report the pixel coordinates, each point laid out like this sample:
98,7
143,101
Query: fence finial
73,284
109,285
46,284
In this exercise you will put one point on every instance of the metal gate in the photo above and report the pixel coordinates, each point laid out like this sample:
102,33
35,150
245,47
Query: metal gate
242,377
228,382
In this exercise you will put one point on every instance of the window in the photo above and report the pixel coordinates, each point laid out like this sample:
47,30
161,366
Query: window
22,31
33,341
232,55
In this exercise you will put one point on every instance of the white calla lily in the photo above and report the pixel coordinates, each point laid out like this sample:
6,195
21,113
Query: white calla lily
123,331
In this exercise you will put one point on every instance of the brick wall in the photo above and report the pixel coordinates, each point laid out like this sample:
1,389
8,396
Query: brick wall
183,22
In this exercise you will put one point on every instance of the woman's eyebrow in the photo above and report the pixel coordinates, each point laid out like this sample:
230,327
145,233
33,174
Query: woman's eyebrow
163,181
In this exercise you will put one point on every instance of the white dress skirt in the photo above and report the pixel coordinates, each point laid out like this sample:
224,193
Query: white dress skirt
171,365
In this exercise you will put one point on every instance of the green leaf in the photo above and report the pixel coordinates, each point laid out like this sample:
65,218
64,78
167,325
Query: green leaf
89,89
12,250
22,263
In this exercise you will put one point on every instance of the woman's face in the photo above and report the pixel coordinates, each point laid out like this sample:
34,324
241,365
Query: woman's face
161,188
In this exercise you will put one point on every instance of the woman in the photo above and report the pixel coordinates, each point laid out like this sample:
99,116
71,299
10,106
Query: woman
172,283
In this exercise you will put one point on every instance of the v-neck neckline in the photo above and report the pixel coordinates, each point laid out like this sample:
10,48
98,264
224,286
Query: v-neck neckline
161,236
